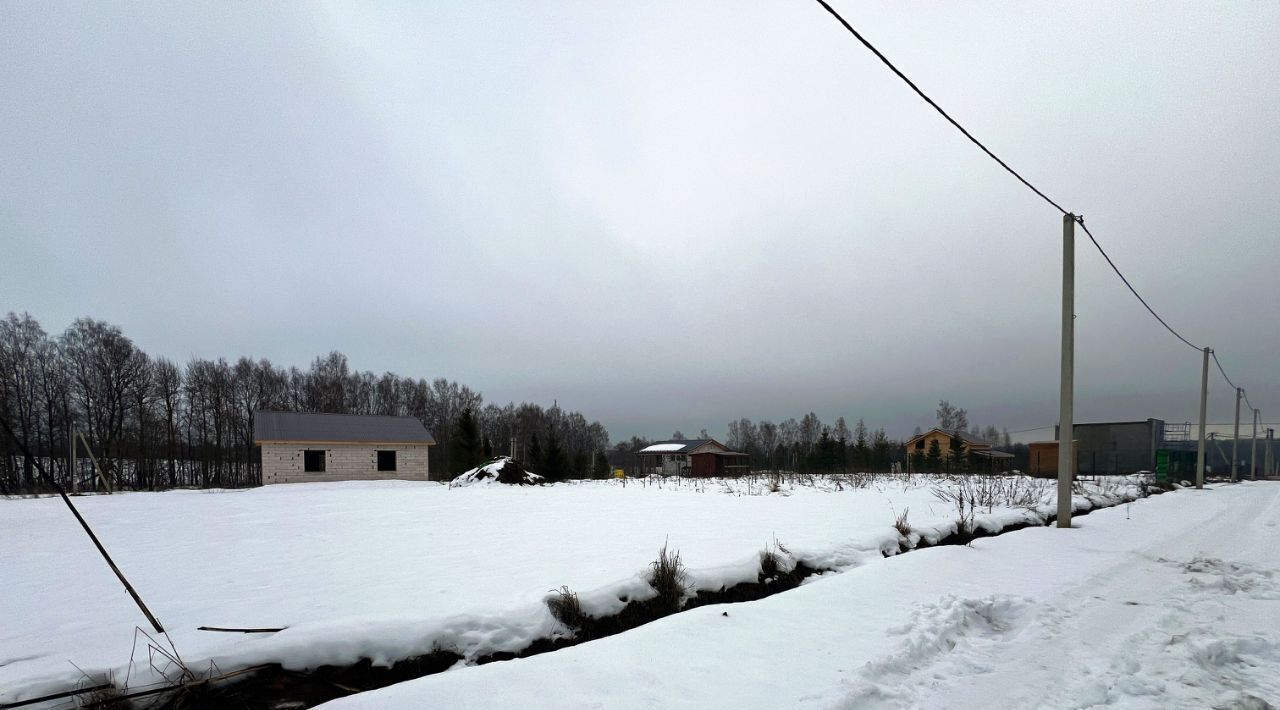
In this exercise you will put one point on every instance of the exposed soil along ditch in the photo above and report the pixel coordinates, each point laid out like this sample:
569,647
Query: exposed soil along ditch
274,687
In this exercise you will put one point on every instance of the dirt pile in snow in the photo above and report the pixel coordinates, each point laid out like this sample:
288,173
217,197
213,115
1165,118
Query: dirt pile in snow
503,469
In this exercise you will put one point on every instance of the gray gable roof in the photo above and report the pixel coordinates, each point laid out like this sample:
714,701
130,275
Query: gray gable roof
308,426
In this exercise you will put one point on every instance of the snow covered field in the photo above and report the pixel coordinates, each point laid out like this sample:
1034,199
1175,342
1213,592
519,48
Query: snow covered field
1172,602
387,569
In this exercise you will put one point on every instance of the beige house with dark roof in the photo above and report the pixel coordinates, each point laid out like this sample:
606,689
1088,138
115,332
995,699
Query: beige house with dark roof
976,449
304,447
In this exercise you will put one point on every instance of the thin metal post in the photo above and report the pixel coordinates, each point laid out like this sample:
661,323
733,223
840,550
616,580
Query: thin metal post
1204,404
71,460
1253,449
1066,470
155,623
1235,438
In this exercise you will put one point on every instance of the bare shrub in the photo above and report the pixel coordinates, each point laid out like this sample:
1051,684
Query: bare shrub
564,607
901,525
769,566
668,578
771,560
99,696
962,495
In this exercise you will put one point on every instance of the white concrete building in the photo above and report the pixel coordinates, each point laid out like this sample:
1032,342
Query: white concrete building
301,447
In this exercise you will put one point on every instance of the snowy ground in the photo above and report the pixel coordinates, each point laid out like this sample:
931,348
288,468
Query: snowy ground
1171,602
387,569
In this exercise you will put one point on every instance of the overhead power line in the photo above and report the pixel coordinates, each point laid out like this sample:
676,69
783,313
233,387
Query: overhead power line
938,108
1134,291
1224,372
1078,219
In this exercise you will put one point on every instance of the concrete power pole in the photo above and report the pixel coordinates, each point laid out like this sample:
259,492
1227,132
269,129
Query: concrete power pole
1204,404
1253,449
1235,439
1066,390
1270,459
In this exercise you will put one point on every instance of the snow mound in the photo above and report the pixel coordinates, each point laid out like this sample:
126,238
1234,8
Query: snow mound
503,469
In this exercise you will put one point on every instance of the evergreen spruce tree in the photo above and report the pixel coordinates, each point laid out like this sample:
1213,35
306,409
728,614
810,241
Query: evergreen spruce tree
534,454
554,463
842,454
881,450
861,447
826,451
581,467
601,469
933,459
918,462
958,460
467,445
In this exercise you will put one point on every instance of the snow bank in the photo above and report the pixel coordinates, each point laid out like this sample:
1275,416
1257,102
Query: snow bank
504,470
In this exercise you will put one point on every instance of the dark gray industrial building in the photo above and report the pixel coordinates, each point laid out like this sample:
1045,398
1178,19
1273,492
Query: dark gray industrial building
1104,448
1117,447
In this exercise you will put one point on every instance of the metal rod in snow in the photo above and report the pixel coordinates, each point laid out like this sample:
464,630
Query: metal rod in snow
1066,470
155,623
1204,403
1235,438
71,456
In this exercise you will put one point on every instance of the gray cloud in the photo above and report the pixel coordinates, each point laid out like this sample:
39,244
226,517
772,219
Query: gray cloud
665,215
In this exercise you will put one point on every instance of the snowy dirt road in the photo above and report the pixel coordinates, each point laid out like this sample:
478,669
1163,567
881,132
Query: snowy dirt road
1173,602
1185,619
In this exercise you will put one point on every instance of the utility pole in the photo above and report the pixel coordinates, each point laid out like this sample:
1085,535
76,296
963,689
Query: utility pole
1270,459
1204,403
1253,449
1235,440
1066,471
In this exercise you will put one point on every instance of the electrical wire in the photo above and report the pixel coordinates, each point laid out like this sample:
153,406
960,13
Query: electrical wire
1078,219
1224,372
1133,290
936,107
1034,428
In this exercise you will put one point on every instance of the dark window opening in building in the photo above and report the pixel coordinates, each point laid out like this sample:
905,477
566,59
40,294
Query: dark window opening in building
313,461
386,460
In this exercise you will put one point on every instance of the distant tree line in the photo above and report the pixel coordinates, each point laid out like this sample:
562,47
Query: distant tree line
152,423
806,445
809,445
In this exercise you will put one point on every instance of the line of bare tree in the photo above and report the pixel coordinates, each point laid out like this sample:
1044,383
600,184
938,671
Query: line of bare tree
152,423
808,445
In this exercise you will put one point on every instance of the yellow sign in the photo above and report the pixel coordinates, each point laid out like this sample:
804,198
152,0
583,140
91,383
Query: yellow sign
619,473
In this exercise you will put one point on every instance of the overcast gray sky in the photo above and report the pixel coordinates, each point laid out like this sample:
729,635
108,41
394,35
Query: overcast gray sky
665,215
